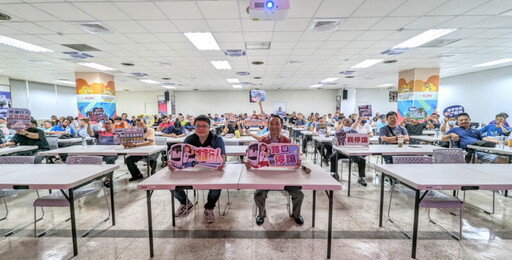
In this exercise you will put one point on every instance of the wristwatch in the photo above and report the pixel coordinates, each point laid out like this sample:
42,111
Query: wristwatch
26,134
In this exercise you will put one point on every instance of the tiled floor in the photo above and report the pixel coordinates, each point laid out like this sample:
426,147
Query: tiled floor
356,234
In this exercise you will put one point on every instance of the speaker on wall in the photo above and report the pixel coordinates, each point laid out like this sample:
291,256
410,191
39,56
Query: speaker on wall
167,96
345,94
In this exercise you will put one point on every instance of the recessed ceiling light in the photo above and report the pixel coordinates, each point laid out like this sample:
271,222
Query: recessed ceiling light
22,45
257,45
237,86
256,77
65,81
149,81
257,62
423,38
221,65
168,86
389,61
4,17
329,80
315,86
95,66
349,77
386,85
233,80
166,78
492,63
203,41
347,72
140,74
234,53
366,63
295,62
243,73
127,64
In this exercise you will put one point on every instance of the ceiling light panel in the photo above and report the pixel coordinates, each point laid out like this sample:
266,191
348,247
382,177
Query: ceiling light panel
22,45
221,65
203,41
366,63
496,62
96,66
423,38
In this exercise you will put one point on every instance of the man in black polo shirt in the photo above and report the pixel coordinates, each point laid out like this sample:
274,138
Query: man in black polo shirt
201,138
30,136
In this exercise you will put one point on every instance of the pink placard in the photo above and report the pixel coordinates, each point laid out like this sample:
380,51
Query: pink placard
18,118
343,138
277,155
128,135
183,156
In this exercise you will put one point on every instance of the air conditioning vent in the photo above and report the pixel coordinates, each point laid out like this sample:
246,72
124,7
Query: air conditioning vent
80,47
327,24
94,28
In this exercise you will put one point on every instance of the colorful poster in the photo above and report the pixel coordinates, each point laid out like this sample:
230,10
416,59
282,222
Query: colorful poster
185,156
278,155
453,111
162,105
261,124
150,120
343,138
95,96
365,110
417,93
257,95
5,99
18,118
128,135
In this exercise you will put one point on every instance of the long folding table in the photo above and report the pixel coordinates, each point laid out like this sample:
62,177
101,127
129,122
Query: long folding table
16,149
57,176
443,177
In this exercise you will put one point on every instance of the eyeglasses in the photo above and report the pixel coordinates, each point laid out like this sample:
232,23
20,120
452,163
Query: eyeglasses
202,126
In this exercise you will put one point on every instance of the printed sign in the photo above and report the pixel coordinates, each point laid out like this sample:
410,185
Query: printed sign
128,135
321,129
343,138
453,111
365,110
258,95
185,156
18,118
416,113
150,120
261,124
278,155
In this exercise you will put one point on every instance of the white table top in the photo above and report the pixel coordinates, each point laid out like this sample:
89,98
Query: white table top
175,140
241,139
273,178
52,176
306,132
426,138
106,150
18,148
298,128
451,176
236,150
7,169
198,178
391,149
323,139
505,151
428,132
72,140
374,140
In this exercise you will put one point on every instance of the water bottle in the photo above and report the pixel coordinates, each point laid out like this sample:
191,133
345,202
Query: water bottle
437,132
84,142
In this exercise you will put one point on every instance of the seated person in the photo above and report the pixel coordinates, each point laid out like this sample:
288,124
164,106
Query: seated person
496,129
120,123
325,149
106,137
149,139
232,127
175,130
346,126
275,125
63,129
505,116
389,134
30,136
464,135
434,120
47,126
189,126
166,122
414,127
310,127
380,123
362,126
201,138
84,128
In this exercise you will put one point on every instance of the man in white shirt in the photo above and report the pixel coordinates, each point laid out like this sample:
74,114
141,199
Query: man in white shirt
362,126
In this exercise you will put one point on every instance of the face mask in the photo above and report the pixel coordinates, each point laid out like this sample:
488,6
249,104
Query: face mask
347,128
451,123
3,126
364,121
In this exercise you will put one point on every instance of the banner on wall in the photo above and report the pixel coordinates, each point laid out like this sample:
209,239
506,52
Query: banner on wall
173,105
417,93
95,96
5,99
162,105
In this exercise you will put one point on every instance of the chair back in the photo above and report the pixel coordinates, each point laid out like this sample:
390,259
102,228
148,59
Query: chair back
161,141
84,160
53,142
17,159
412,160
448,155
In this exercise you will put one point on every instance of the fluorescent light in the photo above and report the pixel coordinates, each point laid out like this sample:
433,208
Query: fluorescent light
386,85
496,62
168,87
316,86
329,80
366,63
65,81
423,38
95,66
237,86
22,45
149,81
233,80
203,41
221,64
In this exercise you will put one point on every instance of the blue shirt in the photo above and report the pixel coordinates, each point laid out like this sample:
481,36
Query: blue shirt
489,129
466,137
175,130
59,128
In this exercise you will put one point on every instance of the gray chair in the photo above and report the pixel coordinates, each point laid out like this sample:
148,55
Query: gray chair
5,193
432,199
59,199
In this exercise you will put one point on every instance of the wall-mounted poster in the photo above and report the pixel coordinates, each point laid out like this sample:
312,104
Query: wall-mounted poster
5,99
162,105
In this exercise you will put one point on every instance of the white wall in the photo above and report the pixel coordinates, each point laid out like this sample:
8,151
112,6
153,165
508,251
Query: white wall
137,102
483,94
304,101
378,98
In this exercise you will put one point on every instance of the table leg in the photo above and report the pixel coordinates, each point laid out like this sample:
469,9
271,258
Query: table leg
147,166
111,177
329,229
381,207
172,206
314,208
73,221
314,153
349,174
415,223
149,193
321,151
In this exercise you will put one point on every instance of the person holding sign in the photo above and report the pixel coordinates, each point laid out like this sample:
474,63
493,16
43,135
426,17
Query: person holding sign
201,138
392,133
149,139
30,136
275,124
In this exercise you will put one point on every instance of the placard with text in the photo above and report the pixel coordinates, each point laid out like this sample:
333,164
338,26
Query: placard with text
182,156
128,135
18,118
343,138
276,155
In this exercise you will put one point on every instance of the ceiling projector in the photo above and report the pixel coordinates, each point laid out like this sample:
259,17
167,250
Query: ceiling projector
262,10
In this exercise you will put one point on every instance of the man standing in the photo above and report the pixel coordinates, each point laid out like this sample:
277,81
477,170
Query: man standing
275,124
201,138
149,139
30,136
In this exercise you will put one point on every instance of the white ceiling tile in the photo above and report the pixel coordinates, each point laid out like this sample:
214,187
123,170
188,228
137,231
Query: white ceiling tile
64,11
428,22
376,8
404,35
232,45
257,26
493,22
308,45
456,7
126,26
172,37
303,8
417,7
345,35
463,21
114,38
356,24
102,10
158,26
493,7
225,25
219,9
180,10
282,45
286,36
86,38
192,25
373,35
292,25
141,10
316,36
143,38
27,12
29,28
338,8
228,37
393,23
334,44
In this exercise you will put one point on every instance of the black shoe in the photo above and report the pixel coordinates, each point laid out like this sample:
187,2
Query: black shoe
298,220
362,182
136,178
107,184
260,220
335,176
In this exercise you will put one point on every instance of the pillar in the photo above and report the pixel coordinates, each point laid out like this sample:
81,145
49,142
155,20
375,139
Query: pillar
95,95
